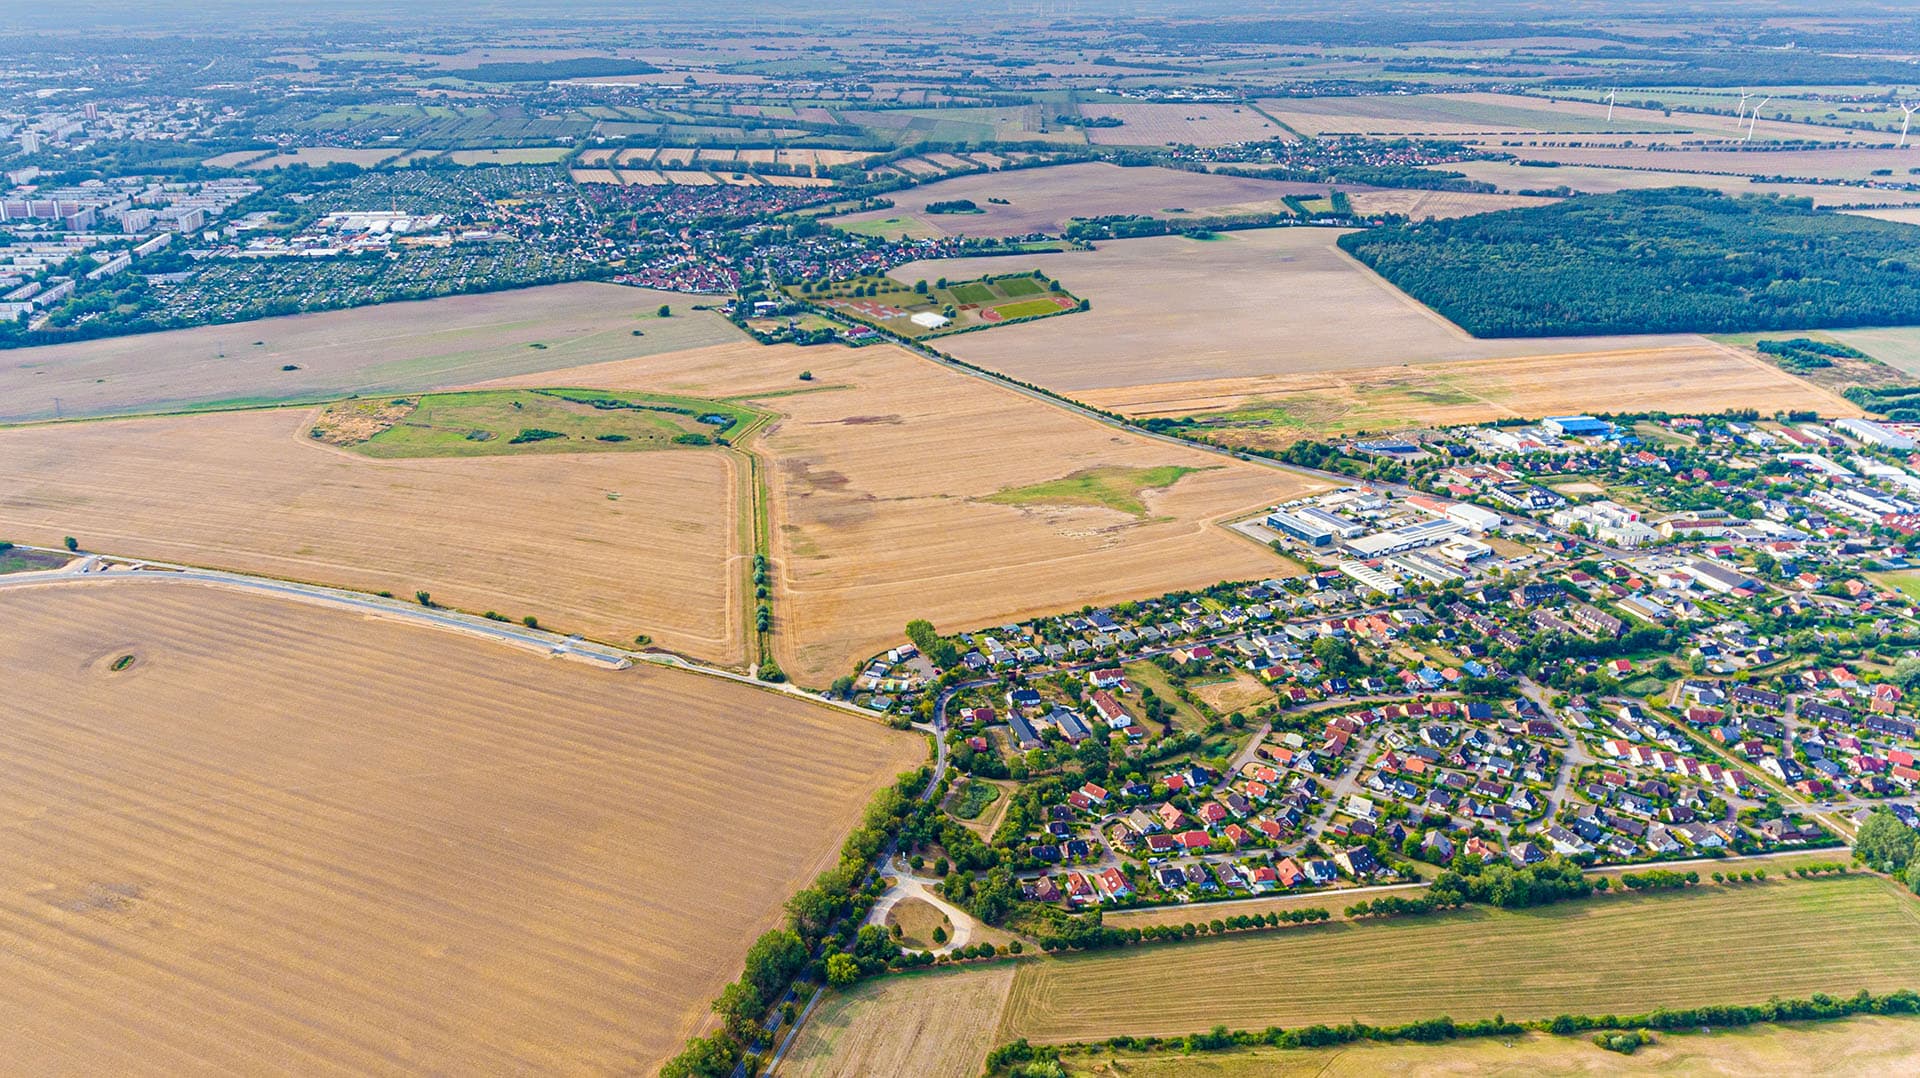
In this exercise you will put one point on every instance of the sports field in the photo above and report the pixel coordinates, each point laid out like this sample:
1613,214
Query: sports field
1274,411
1277,301
1618,954
882,475
1045,199
284,838
605,544
389,348
963,304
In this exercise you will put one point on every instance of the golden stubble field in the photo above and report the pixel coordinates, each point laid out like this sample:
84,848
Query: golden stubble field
388,348
1492,114
1592,179
1265,302
1045,199
877,472
605,544
289,839
1277,410
930,1025
1613,955
1193,124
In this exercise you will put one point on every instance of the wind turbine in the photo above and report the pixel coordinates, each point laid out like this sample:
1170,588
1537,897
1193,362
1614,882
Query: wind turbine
1906,123
1755,118
1610,96
1742,112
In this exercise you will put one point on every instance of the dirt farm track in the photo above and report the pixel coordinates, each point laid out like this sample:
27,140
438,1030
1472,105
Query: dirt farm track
285,839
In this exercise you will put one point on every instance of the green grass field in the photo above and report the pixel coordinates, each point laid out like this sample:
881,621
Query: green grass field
1028,308
1105,488
515,421
15,560
867,298
973,799
1906,583
1619,954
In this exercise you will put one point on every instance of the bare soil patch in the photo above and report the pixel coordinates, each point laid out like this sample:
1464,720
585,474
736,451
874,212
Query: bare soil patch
291,838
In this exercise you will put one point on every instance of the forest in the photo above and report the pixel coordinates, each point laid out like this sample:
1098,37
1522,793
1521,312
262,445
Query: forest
1671,260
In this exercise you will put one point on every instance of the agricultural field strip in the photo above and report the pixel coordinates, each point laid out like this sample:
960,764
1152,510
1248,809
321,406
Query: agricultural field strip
1617,954
391,348
191,490
181,983
878,497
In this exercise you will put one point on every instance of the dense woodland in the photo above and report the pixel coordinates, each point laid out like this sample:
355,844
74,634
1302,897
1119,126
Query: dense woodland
1661,261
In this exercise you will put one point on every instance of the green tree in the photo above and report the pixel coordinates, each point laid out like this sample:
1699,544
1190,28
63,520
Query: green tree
773,961
704,1057
739,1006
842,970
72,543
1884,843
665,311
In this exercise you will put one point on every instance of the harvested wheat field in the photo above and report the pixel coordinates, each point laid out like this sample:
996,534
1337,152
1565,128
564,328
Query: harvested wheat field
881,472
1470,114
1856,164
1613,955
1045,199
1595,180
1422,205
288,839
1262,302
1275,411
931,1025
605,544
389,348
1192,124
1826,1049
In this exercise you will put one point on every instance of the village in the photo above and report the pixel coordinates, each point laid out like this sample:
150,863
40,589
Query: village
1611,642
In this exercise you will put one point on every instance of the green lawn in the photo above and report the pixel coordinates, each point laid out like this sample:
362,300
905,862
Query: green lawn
1028,308
973,799
1106,488
514,421
1906,583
